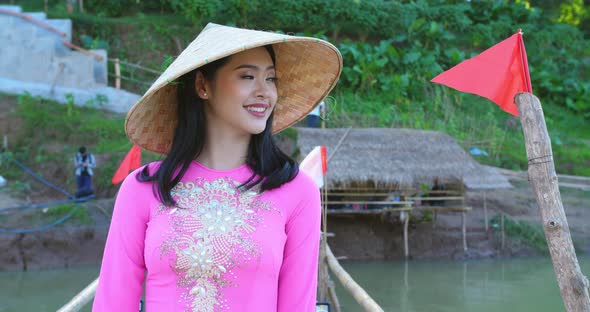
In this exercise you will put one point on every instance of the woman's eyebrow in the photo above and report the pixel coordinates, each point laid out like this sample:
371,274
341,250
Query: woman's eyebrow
253,67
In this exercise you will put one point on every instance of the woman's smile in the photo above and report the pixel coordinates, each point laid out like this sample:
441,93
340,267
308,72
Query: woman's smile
257,109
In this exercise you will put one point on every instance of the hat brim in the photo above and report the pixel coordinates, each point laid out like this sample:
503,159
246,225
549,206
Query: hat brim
307,70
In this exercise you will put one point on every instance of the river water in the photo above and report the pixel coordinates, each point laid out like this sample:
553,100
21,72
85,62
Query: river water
421,286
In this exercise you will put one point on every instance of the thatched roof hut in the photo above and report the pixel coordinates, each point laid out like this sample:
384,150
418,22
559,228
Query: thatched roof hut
384,158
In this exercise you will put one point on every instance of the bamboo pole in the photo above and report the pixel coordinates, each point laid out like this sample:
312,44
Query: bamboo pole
334,297
485,211
434,216
357,292
405,216
502,229
464,230
573,285
117,74
81,299
323,266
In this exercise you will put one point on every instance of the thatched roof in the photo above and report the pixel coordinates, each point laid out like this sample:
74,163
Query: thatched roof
397,158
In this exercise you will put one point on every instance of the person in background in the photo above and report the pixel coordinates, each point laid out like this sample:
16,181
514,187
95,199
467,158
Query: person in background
84,162
314,117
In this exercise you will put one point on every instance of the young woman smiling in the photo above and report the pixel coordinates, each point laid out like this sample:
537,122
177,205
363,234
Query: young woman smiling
225,222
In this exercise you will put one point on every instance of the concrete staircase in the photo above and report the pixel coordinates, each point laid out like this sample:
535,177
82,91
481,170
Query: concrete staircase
35,60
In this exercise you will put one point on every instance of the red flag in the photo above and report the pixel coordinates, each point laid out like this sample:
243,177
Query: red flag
131,161
315,165
498,73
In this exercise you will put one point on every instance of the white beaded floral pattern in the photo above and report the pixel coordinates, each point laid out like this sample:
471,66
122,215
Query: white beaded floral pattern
210,235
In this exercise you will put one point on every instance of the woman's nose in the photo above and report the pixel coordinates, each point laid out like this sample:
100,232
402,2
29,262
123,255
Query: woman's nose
264,88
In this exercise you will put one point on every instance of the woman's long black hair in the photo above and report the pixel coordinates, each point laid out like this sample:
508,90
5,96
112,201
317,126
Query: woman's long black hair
272,168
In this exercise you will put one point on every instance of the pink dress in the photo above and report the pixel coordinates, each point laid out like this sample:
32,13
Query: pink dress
219,250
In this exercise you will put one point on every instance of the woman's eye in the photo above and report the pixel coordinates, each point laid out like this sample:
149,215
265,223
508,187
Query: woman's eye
272,79
247,77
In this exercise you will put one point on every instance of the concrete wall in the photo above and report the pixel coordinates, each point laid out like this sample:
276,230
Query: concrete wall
34,57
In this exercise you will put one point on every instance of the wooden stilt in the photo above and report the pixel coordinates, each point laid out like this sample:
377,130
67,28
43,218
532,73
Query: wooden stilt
333,297
464,229
323,266
502,230
485,212
434,216
406,222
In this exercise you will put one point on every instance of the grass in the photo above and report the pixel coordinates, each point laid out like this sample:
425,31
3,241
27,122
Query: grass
529,233
80,214
51,133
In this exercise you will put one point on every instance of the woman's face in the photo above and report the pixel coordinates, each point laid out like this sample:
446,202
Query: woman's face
243,93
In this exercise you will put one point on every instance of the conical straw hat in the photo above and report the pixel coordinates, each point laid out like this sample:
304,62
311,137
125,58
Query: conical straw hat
307,68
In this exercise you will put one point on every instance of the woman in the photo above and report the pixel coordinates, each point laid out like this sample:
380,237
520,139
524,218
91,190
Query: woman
225,222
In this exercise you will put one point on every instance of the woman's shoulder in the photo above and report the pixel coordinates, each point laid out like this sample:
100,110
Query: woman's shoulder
133,179
301,184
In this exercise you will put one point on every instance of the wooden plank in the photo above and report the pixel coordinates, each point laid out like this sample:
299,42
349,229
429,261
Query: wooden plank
366,211
381,203
443,208
446,198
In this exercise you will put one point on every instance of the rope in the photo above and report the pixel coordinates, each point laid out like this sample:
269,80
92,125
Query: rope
153,71
38,177
71,199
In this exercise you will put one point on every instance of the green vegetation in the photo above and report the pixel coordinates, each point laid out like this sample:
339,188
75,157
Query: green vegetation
79,213
51,133
391,50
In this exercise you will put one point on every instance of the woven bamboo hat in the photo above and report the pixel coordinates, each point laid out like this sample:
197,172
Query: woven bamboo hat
307,68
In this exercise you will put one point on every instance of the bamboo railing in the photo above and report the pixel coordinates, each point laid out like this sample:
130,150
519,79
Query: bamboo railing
357,292
81,299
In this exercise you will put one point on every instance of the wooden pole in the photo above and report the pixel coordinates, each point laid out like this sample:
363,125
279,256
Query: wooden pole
333,298
485,212
464,230
45,6
323,266
81,6
502,229
406,220
117,74
573,285
434,216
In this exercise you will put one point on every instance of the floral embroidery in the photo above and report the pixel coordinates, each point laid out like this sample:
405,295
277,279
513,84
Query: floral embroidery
210,236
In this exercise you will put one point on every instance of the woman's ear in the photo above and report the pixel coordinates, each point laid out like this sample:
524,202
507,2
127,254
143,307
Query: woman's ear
201,86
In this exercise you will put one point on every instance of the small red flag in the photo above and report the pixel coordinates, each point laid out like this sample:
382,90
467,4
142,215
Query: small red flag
498,73
314,165
324,160
131,161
